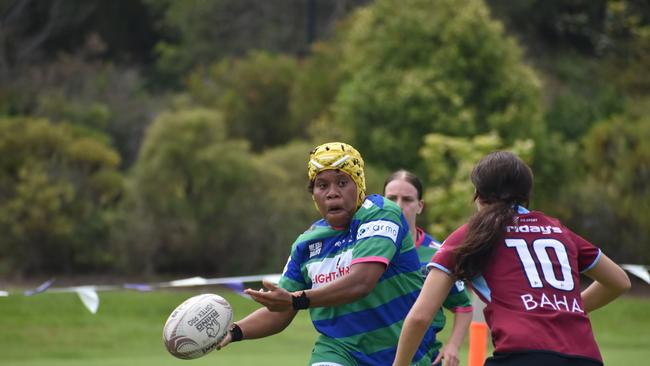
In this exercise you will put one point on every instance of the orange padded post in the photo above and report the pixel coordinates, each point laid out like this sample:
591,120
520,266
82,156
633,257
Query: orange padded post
478,333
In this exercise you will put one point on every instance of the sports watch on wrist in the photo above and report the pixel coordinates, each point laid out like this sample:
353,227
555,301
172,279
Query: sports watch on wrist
300,302
236,334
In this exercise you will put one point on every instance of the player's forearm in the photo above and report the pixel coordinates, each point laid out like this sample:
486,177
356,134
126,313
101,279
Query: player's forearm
343,292
610,282
415,325
263,323
435,289
357,284
459,330
596,296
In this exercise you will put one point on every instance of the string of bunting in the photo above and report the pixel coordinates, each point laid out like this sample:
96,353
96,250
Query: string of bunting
90,299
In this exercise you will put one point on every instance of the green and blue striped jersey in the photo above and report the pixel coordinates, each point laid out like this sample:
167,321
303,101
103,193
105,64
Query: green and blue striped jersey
368,328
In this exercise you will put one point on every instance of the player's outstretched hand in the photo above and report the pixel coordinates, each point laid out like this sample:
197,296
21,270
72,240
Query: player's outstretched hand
448,355
225,341
274,298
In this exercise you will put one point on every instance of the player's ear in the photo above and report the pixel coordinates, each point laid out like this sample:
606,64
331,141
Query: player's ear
420,206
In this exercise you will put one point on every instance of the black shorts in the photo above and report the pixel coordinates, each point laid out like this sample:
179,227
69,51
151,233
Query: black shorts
539,358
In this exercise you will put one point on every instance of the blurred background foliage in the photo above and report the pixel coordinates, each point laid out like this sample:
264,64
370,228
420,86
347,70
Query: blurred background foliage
158,137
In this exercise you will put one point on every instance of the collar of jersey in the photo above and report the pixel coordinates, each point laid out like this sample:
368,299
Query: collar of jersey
521,209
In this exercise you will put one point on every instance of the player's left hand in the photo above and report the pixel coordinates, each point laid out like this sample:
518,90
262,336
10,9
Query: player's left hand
227,339
449,355
274,298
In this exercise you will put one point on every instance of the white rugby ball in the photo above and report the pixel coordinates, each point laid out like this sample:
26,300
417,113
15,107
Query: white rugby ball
197,325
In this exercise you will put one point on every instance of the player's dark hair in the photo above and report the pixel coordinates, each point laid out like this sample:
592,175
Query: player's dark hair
502,181
407,176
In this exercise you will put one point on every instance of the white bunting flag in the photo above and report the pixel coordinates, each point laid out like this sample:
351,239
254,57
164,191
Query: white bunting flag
89,298
638,270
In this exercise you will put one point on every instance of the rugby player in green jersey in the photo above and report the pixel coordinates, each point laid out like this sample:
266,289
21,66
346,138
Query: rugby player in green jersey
356,270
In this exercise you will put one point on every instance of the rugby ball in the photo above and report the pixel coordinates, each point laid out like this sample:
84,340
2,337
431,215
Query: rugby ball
197,325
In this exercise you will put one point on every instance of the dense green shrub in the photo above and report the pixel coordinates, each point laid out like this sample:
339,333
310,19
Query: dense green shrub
56,186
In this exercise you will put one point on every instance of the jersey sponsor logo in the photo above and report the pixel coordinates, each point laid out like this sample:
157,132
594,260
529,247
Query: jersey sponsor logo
367,204
329,269
425,271
548,229
460,285
528,219
383,228
552,302
315,248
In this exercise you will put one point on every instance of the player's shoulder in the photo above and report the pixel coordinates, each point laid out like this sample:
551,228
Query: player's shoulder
429,240
434,244
318,230
376,206
460,231
455,238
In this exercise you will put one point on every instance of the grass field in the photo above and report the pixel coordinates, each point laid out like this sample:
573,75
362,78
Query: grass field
55,329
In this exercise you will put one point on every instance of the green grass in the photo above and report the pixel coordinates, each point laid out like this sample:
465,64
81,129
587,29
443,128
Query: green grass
55,329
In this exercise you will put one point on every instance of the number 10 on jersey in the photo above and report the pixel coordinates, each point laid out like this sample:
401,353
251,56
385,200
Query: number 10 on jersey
540,250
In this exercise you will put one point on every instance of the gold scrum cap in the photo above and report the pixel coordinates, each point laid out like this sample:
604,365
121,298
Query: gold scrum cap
341,156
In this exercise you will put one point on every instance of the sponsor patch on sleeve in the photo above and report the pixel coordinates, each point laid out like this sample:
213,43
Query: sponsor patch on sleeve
383,228
367,203
460,286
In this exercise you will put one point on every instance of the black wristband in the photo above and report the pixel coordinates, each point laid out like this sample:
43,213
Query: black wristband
236,334
300,302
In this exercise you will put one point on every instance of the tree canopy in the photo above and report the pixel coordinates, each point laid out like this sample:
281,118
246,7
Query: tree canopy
419,67
178,141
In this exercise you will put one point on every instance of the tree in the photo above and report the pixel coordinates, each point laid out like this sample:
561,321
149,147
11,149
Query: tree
449,162
199,33
34,32
253,93
56,183
596,27
292,209
104,97
610,204
419,67
314,91
197,198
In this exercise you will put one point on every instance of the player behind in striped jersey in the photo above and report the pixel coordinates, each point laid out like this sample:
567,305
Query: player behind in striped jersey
405,189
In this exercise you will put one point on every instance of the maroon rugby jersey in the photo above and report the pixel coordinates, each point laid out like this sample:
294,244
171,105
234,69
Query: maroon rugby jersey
532,286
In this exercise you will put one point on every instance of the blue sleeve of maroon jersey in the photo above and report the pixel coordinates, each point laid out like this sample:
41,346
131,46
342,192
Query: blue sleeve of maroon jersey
444,258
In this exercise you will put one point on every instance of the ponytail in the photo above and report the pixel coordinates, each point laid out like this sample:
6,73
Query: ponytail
502,181
484,230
